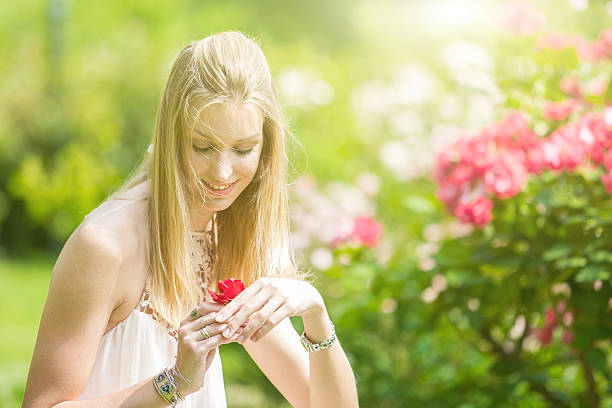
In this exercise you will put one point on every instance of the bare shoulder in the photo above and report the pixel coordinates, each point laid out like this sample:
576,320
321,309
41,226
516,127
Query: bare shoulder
100,256
88,286
114,234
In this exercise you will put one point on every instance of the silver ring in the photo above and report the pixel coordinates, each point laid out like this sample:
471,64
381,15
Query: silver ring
204,333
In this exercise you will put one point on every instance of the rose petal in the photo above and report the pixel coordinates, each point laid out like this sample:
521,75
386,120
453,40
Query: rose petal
228,289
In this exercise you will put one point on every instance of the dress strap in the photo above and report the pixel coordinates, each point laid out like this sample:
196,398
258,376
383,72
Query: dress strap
112,210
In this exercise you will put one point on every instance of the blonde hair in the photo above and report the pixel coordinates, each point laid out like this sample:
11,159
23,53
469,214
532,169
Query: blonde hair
251,236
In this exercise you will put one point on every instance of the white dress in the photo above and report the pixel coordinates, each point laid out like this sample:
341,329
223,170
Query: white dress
142,345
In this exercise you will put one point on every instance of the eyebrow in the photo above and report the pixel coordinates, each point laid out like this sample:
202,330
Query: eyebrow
245,139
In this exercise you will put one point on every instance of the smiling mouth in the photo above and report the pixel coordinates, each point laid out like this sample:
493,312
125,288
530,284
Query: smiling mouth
219,189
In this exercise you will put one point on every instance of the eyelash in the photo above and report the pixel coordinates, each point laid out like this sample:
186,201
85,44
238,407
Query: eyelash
207,149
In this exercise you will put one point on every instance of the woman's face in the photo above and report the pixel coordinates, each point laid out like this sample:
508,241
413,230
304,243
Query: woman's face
226,146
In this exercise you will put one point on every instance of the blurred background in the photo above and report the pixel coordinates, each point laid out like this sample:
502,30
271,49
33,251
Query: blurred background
450,179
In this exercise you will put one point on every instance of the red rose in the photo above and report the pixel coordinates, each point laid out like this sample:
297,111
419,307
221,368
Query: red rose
367,231
228,289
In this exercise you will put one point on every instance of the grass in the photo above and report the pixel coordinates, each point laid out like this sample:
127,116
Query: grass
25,284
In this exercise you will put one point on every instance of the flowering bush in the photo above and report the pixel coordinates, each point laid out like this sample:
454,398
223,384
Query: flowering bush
496,162
531,285
334,224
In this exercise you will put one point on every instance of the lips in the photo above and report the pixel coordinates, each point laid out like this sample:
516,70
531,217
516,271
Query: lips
219,190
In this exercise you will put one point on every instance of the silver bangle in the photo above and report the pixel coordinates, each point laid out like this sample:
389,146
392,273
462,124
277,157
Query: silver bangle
177,370
312,347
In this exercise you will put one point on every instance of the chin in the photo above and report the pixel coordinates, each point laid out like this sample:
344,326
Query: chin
219,204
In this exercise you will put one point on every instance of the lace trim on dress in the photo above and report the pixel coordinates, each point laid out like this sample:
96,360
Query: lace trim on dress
202,257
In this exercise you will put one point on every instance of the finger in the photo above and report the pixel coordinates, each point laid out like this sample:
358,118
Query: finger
260,317
214,341
211,329
203,309
239,300
281,313
205,320
245,312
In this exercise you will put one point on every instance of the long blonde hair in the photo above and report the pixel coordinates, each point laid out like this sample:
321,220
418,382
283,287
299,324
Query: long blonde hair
251,237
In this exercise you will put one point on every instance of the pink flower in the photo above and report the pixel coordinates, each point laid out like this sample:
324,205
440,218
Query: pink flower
607,116
570,86
513,133
478,211
573,151
461,173
594,132
606,180
550,318
567,337
559,110
228,289
550,153
545,334
596,86
494,161
367,231
449,193
605,40
520,17
507,176
587,51
555,41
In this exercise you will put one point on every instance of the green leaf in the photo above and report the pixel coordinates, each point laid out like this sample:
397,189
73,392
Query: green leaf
575,219
601,256
419,205
592,273
596,358
557,252
569,263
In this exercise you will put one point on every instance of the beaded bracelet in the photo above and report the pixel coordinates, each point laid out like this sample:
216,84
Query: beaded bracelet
170,374
312,347
166,387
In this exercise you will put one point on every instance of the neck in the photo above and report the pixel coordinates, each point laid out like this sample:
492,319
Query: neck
201,219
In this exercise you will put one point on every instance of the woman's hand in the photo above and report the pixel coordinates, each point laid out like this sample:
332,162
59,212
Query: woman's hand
266,303
195,352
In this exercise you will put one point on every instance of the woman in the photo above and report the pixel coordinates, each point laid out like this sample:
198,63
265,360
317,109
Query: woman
127,321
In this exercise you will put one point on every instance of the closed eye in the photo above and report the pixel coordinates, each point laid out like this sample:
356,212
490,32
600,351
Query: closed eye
243,152
200,149
207,149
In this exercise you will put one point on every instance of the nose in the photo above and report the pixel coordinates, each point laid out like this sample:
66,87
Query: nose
221,167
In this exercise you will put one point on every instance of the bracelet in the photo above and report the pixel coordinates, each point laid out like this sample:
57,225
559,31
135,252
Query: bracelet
166,387
177,371
170,375
312,347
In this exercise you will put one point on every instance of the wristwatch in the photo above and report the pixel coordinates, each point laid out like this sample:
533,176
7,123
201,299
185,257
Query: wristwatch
311,347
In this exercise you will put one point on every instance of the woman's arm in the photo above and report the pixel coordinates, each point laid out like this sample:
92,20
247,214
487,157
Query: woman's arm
320,379
331,379
80,300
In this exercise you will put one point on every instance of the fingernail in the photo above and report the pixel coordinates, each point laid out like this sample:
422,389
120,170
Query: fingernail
241,339
226,332
220,317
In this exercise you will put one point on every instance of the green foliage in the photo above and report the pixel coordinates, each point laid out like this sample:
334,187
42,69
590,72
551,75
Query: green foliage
81,83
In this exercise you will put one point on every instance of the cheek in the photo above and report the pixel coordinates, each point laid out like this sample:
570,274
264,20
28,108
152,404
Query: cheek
198,162
249,166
